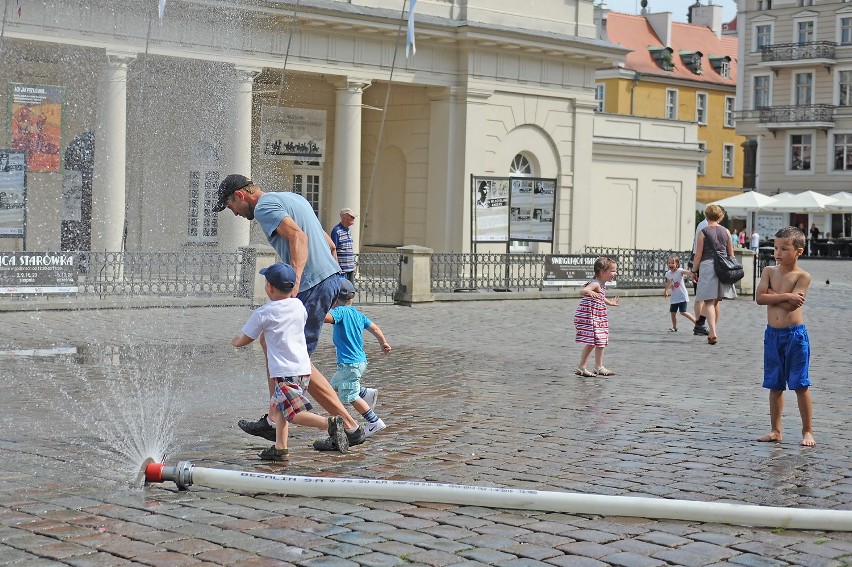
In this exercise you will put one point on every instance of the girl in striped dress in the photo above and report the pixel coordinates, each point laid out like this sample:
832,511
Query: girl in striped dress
591,320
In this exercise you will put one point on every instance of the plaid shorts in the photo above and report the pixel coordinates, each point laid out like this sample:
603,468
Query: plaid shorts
289,396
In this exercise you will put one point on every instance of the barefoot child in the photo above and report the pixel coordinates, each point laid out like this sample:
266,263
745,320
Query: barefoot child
349,325
680,297
590,319
787,350
282,324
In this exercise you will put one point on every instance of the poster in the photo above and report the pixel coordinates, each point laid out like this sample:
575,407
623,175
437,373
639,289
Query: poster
36,121
38,272
531,209
570,270
13,193
490,209
292,133
72,195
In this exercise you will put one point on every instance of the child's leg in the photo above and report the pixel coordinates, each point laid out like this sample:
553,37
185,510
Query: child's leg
689,316
584,355
311,420
776,407
674,319
803,396
599,350
281,426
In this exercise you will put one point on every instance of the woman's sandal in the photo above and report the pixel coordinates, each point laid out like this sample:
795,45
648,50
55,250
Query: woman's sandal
601,371
584,372
711,340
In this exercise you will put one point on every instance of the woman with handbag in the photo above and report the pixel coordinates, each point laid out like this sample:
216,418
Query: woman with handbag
710,290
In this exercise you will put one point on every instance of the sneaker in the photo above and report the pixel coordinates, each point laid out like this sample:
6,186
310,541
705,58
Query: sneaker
371,398
261,428
337,433
373,428
673,330
700,330
355,438
273,454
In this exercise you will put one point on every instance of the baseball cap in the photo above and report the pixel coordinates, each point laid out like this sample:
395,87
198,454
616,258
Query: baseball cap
228,187
347,290
347,211
282,276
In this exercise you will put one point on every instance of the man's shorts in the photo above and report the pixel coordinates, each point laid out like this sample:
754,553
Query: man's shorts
681,306
318,301
347,380
289,395
786,353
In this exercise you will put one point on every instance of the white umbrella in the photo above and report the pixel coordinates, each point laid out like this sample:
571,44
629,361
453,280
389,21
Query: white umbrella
744,203
842,202
804,202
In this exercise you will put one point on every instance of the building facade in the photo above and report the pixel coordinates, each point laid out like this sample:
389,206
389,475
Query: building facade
318,98
795,99
680,71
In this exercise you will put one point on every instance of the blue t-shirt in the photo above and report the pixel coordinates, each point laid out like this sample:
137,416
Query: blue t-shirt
271,209
348,334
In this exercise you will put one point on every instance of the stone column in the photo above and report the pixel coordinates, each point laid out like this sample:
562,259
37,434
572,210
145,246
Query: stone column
108,183
346,172
234,231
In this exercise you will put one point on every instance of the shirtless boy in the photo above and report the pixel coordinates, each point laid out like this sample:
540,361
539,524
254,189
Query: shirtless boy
787,350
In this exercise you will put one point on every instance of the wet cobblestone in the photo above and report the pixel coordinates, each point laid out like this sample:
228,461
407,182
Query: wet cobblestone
474,393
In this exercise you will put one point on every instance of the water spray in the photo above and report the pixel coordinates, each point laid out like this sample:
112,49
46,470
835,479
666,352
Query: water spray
185,474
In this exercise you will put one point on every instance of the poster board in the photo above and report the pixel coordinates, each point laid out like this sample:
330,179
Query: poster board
567,270
532,204
490,209
292,133
35,115
13,194
38,272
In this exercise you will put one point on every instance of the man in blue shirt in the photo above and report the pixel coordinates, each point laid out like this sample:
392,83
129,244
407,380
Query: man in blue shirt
342,239
293,230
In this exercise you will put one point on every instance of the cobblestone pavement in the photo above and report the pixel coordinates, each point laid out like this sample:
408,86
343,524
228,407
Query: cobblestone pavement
474,393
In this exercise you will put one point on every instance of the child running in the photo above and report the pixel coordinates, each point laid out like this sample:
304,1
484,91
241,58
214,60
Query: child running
349,325
590,319
786,351
282,323
677,289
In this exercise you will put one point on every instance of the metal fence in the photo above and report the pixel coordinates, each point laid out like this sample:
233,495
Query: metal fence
498,272
640,268
378,277
180,274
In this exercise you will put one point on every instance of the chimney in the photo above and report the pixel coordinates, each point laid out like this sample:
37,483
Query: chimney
661,22
709,16
600,14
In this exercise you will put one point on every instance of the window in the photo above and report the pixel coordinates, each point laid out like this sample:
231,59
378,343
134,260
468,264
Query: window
805,31
803,3
520,167
844,88
761,92
843,152
846,31
702,164
725,69
722,64
764,4
307,182
800,152
202,222
729,111
701,108
763,35
671,104
728,160
803,89
600,93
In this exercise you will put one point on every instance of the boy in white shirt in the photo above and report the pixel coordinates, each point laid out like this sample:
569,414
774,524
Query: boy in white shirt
677,289
281,323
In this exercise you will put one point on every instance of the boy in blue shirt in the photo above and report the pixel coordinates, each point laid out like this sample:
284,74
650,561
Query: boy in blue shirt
349,325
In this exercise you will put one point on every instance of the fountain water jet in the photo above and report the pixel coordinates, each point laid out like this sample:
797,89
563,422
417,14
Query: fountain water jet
184,474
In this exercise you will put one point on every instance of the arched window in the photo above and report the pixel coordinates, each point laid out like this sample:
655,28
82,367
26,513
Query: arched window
520,167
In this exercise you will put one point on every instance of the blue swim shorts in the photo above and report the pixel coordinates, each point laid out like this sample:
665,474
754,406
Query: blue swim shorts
680,306
317,301
347,380
786,353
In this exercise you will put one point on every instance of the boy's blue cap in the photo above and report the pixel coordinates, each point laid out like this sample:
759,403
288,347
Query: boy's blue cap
282,276
347,290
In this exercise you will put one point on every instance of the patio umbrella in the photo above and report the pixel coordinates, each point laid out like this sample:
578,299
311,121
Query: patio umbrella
804,202
744,203
842,202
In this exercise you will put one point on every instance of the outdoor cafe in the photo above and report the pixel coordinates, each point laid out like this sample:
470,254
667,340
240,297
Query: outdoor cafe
826,220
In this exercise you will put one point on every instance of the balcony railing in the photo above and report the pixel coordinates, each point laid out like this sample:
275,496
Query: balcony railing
798,51
822,113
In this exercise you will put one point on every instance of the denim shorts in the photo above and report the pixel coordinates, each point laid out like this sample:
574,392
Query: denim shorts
347,380
680,306
318,301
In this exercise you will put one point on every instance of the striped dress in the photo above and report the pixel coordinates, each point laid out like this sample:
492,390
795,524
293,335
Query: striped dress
590,320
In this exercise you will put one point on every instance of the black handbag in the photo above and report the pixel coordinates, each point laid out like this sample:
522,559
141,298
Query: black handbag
728,269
